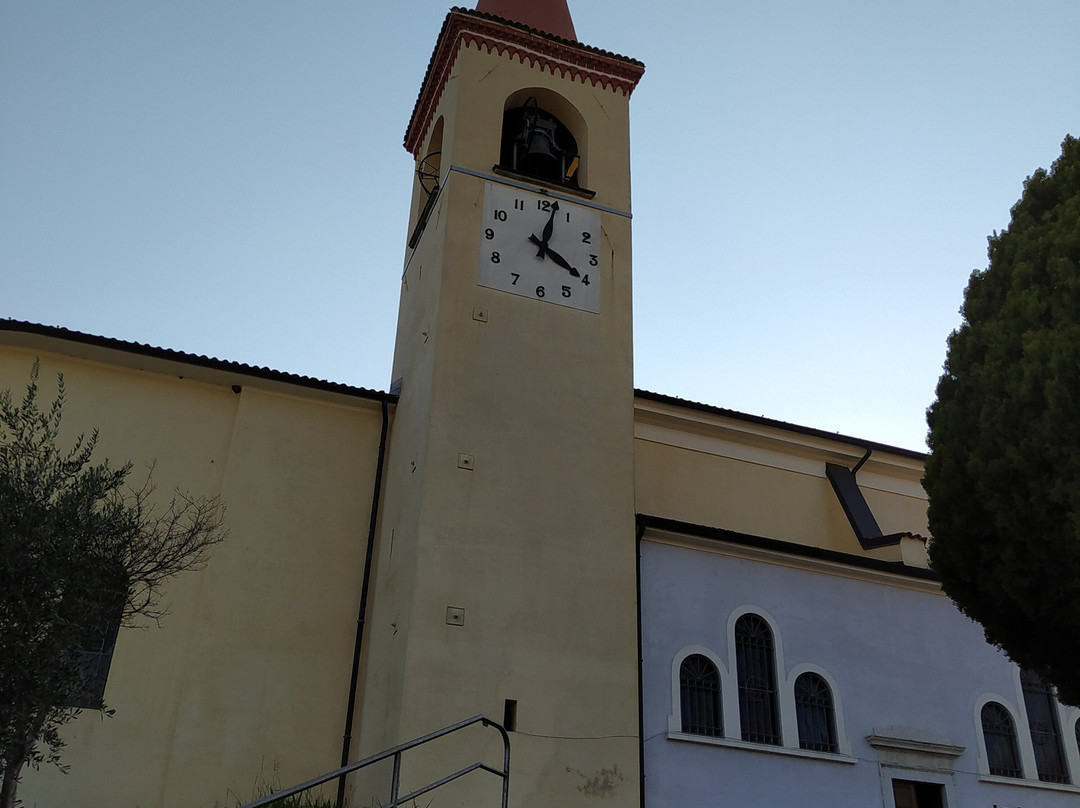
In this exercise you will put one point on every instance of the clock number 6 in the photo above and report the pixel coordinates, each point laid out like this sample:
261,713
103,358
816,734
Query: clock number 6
540,291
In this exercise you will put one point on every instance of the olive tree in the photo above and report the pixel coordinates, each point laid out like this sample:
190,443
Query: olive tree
81,552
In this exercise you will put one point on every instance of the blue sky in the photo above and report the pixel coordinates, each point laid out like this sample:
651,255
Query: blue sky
813,183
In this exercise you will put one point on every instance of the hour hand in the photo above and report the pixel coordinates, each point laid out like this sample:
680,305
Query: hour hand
558,259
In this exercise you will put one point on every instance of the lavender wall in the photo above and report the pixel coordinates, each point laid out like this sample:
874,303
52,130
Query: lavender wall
897,656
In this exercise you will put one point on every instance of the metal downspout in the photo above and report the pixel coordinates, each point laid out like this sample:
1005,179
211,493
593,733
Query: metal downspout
361,617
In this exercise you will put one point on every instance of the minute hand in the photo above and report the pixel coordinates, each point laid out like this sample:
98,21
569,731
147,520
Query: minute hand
558,259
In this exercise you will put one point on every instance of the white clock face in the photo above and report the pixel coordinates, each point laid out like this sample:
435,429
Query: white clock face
539,247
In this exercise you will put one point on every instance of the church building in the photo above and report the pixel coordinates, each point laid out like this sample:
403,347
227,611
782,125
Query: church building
653,602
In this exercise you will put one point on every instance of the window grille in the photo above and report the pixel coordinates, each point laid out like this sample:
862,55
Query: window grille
699,689
999,734
814,710
755,659
1045,730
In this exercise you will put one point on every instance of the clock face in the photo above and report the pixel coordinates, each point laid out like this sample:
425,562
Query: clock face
539,247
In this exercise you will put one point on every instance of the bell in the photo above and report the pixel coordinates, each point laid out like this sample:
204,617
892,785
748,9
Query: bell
540,152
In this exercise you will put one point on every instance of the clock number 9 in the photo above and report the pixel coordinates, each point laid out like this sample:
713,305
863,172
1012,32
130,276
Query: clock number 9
489,234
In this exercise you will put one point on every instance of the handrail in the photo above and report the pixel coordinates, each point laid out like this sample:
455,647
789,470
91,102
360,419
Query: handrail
396,753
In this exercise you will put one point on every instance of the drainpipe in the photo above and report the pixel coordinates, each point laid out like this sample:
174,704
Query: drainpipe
361,618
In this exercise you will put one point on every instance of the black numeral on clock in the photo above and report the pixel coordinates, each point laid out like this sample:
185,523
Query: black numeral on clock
519,204
540,291
517,277
495,258
566,291
489,234
499,215
586,238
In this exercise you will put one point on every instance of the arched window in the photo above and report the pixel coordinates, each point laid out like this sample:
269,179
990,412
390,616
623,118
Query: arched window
999,734
537,143
1045,731
755,659
699,694
814,711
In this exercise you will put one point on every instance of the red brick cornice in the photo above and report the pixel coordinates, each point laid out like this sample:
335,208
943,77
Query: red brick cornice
463,27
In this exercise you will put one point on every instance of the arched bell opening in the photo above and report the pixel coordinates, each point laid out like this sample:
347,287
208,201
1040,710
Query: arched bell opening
540,138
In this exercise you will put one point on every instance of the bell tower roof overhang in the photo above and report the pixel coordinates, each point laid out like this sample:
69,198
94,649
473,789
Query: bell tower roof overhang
516,38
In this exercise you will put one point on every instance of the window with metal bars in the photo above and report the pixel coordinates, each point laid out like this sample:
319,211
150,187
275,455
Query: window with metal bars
814,712
999,734
755,659
699,696
1045,731
94,656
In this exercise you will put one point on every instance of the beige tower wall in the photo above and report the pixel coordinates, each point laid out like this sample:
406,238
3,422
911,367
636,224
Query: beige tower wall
247,677
535,539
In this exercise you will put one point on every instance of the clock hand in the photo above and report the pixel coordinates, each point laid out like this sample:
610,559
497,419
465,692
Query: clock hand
558,259
547,231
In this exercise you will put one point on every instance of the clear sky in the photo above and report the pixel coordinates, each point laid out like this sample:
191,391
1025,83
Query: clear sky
813,182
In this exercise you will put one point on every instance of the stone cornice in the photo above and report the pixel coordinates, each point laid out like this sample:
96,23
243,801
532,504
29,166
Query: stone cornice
495,35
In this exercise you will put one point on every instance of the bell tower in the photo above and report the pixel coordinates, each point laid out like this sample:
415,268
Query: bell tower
505,576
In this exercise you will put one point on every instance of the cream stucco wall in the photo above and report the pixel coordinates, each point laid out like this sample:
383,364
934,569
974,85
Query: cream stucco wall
768,480
247,676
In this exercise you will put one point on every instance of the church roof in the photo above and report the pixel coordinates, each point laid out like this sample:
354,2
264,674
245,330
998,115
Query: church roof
49,332
761,420
15,328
